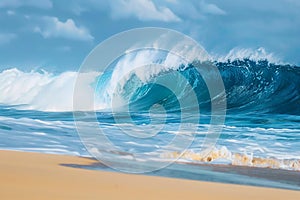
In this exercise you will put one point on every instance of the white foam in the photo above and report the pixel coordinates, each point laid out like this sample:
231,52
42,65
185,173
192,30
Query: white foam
39,90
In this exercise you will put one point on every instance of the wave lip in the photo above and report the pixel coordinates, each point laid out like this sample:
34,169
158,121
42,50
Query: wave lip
246,53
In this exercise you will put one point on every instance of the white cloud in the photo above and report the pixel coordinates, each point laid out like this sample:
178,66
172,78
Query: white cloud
44,4
209,8
193,9
6,38
53,28
148,10
144,10
10,12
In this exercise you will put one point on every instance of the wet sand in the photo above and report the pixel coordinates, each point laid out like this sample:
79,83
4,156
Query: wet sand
43,176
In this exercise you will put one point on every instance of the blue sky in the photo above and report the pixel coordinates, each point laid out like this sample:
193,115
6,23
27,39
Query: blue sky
56,35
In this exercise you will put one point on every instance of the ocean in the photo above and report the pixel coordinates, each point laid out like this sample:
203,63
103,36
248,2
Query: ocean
259,143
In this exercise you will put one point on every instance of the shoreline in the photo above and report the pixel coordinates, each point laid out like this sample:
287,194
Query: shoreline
27,175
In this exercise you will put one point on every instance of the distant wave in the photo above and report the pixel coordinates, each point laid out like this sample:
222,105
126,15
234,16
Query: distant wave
38,90
252,85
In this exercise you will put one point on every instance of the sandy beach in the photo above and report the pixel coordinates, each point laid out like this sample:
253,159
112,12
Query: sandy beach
44,176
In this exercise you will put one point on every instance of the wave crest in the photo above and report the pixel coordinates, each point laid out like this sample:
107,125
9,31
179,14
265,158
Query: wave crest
251,86
247,53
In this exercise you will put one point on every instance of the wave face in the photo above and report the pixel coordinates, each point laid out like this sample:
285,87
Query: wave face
251,86
261,86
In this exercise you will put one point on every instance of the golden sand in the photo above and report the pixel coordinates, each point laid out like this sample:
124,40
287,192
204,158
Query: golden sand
42,176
